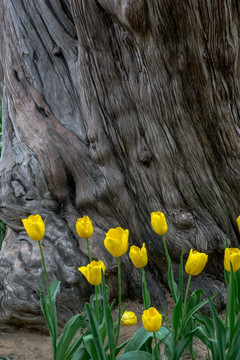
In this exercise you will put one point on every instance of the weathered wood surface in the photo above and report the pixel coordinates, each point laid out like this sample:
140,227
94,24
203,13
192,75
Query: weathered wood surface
115,109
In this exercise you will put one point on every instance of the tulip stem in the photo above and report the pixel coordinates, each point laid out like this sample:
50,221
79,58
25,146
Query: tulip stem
157,347
88,249
44,268
96,301
186,294
166,251
119,300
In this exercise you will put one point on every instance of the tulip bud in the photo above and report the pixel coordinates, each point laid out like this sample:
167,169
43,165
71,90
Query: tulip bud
116,241
151,320
159,223
92,272
196,262
138,256
232,255
128,318
84,227
34,226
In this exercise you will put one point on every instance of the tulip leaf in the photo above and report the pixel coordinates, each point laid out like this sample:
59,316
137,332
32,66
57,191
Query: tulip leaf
176,316
68,333
96,338
136,355
171,283
81,353
231,305
108,319
220,330
139,338
183,343
145,293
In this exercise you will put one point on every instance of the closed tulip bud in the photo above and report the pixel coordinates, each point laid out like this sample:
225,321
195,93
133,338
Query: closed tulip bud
34,226
128,318
151,320
92,272
138,256
196,262
159,223
238,222
116,241
232,255
84,227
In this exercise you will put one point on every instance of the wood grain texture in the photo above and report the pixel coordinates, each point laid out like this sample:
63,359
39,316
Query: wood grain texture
115,109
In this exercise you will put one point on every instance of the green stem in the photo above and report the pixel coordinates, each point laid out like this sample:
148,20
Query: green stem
44,269
186,295
119,301
166,251
88,249
145,293
96,301
157,347
183,312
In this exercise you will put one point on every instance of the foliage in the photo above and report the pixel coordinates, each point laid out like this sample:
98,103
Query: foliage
94,335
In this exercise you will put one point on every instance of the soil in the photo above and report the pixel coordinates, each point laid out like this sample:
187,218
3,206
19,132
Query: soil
22,345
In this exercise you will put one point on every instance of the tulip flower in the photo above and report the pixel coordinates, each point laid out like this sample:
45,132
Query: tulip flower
129,318
196,262
34,226
232,255
238,222
151,320
138,256
116,241
159,223
84,227
92,272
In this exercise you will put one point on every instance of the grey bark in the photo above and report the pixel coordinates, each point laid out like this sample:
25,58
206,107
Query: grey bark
115,109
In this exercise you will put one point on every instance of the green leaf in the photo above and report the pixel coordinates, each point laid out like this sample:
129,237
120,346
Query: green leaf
136,355
162,333
220,330
69,331
81,354
95,332
108,319
183,343
171,283
73,348
176,316
231,306
146,295
139,338
90,346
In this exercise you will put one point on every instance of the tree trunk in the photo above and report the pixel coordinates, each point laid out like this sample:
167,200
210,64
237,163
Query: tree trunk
115,109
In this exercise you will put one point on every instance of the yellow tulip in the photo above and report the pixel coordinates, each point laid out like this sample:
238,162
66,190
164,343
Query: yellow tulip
92,272
151,320
238,222
34,226
159,223
138,256
84,227
196,262
128,318
232,255
116,241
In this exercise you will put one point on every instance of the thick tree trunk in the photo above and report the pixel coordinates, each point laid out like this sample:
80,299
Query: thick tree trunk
115,109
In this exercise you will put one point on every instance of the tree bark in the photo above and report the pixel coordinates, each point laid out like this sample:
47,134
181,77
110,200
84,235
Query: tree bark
115,109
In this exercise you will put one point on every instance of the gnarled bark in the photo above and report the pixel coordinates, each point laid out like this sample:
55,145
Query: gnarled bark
115,109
